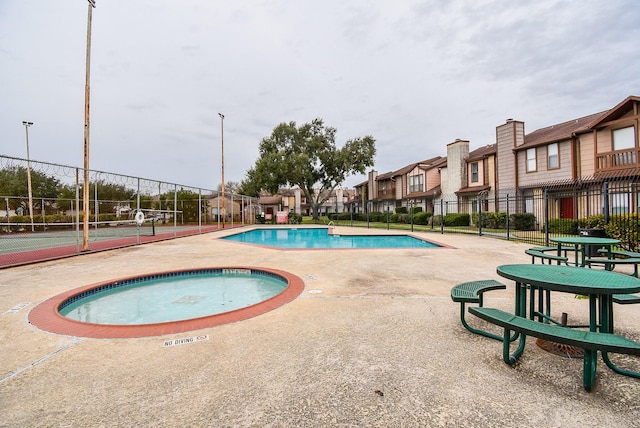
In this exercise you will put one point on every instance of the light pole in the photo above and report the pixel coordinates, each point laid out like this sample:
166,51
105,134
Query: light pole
85,190
29,189
222,161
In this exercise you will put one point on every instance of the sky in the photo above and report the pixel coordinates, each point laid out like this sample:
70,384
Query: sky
415,75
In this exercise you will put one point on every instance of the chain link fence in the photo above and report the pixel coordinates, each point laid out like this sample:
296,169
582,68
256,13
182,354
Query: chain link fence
42,218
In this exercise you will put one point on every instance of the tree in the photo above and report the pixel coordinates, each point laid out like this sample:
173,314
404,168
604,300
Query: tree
13,183
187,204
229,187
307,157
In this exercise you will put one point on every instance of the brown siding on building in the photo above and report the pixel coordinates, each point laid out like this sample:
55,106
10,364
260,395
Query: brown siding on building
586,152
432,179
400,186
481,174
605,141
543,173
508,136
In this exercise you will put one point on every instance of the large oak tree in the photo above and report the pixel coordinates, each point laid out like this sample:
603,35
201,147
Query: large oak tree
307,157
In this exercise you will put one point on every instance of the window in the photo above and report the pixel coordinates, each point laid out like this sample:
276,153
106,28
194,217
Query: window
416,183
620,203
528,205
532,162
623,138
552,156
474,172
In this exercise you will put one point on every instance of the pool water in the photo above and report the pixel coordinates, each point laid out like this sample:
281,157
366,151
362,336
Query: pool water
174,298
320,238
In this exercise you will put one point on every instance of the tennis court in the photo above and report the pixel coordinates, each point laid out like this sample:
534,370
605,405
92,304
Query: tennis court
27,247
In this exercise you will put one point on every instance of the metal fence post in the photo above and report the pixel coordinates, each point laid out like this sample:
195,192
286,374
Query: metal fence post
605,202
78,211
368,211
479,215
175,210
508,218
411,213
546,217
199,210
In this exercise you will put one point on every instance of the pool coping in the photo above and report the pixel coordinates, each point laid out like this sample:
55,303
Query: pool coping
46,317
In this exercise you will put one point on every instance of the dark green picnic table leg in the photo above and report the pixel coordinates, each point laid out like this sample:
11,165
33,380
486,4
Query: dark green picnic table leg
521,299
589,368
521,310
475,330
591,356
606,306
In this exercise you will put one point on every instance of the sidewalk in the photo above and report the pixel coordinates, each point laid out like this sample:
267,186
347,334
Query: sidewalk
374,340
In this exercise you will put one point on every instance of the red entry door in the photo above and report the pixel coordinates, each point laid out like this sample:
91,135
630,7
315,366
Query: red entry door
567,208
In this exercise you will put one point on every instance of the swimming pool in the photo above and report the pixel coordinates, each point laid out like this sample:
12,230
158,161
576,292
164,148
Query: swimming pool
166,302
320,238
172,296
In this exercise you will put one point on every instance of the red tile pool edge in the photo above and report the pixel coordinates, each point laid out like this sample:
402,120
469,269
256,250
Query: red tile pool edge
46,317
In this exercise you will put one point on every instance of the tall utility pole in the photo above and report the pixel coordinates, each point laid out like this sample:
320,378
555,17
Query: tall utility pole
85,186
29,188
222,136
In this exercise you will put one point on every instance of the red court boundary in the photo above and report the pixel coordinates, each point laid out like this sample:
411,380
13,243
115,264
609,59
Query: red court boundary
53,253
46,317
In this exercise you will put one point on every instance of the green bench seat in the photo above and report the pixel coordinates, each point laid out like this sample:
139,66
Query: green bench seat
591,342
609,264
620,253
471,292
554,248
625,299
545,256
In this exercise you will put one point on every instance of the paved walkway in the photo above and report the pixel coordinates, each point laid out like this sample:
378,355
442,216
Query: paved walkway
374,340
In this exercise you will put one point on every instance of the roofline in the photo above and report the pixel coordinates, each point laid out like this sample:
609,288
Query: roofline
608,113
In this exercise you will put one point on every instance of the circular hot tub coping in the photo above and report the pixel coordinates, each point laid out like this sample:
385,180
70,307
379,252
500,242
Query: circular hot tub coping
46,317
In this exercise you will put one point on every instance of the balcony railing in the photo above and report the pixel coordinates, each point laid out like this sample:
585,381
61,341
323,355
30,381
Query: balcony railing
387,193
618,159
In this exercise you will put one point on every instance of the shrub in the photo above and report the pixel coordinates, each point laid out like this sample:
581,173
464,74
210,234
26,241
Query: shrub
377,216
523,221
20,219
563,226
403,218
592,222
457,219
416,210
626,228
421,218
401,210
295,218
359,217
55,218
497,220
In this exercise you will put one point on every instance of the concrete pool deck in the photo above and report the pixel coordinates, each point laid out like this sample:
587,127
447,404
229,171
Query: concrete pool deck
373,340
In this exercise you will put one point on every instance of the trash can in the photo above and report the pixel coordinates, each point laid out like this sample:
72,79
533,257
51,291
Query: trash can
591,250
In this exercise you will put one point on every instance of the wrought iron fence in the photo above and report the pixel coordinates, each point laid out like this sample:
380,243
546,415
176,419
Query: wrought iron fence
41,211
599,206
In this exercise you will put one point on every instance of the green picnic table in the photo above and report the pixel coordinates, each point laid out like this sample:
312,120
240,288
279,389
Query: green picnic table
599,285
581,243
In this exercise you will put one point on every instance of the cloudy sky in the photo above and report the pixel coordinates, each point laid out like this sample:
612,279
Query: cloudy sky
414,74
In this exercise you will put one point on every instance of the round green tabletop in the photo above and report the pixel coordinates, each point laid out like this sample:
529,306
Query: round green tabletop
568,279
585,240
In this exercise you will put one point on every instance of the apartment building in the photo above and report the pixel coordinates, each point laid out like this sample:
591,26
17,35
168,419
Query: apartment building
580,154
